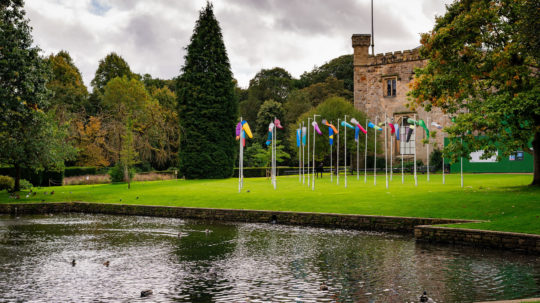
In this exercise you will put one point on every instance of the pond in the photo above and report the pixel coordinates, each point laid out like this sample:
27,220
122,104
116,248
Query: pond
196,261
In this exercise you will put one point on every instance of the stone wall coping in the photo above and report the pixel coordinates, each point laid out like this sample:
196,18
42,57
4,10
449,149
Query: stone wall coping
249,210
478,231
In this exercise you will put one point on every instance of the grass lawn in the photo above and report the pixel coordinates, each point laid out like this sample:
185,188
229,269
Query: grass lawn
503,199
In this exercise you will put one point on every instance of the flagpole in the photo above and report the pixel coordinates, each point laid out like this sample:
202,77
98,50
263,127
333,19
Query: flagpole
313,168
427,149
461,160
308,127
274,151
365,153
386,149
358,156
240,161
345,164
401,150
375,154
337,151
303,158
331,167
299,156
392,153
415,179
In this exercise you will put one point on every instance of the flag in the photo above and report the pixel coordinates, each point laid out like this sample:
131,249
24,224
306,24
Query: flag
355,122
245,127
370,124
269,139
356,133
396,126
278,123
409,132
345,124
316,127
424,126
298,135
304,135
437,125
330,135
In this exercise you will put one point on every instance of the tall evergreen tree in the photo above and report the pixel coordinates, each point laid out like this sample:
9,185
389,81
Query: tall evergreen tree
207,107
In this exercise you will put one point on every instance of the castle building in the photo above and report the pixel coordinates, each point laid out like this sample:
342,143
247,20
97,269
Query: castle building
381,84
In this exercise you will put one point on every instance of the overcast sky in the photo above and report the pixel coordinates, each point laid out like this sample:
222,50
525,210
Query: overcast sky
294,34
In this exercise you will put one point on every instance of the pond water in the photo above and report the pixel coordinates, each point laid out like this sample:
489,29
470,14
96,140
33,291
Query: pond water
236,262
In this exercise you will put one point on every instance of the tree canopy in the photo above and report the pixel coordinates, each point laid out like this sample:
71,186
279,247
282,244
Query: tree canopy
207,107
483,72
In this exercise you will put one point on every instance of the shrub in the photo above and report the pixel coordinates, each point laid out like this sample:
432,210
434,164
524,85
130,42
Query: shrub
435,159
7,183
25,184
117,173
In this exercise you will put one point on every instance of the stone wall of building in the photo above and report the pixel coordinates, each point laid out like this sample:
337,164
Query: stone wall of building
370,75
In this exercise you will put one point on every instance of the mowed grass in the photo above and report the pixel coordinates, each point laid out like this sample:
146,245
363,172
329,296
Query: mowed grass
504,200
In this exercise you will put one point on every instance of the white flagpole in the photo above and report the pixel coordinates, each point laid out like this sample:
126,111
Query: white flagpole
365,153
415,126
308,174
357,154
461,160
337,151
331,167
386,149
443,163
274,151
240,162
313,168
401,136
299,155
427,149
375,155
303,158
392,154
345,165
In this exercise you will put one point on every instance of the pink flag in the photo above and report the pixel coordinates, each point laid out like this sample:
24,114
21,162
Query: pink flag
277,123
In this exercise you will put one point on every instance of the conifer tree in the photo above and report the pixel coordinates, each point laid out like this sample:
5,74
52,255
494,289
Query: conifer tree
207,107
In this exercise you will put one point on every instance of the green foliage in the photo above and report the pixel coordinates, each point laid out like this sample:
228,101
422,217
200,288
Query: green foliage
333,109
117,173
207,107
435,159
482,69
7,183
255,156
25,184
340,68
69,92
36,177
300,101
267,112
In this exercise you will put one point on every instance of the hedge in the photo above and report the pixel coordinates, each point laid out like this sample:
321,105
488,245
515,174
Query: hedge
41,178
75,171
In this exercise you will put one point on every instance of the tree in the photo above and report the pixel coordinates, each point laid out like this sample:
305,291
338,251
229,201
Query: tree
207,107
340,68
483,72
268,111
28,137
66,84
300,101
90,142
110,67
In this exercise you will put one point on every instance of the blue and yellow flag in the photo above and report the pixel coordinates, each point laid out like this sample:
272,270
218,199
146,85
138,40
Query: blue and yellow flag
330,135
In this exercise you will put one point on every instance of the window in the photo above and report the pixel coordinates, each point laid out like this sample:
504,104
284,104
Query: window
405,148
390,87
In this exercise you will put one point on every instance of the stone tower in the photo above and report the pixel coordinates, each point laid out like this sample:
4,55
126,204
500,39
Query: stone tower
381,84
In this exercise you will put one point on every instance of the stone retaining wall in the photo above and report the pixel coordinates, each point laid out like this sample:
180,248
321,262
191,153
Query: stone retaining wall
482,238
363,222
420,226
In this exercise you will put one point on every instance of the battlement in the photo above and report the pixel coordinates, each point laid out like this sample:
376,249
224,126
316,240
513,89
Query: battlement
394,57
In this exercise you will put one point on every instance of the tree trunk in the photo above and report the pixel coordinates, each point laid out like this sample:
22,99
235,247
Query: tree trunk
126,175
17,186
536,161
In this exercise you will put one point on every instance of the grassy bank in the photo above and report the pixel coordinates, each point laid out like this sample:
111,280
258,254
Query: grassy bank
504,200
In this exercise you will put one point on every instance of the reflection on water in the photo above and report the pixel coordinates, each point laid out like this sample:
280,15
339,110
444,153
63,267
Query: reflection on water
182,262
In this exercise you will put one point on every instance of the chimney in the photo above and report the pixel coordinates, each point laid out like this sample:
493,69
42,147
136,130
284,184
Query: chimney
360,44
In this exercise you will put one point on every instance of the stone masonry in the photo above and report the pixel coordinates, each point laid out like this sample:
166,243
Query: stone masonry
370,76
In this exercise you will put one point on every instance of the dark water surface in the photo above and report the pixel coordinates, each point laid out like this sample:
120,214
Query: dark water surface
241,263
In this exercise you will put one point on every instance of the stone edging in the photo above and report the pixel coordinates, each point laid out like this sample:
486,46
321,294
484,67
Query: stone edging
421,227
484,238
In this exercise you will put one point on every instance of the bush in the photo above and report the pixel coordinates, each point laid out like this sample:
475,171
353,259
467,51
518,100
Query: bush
25,184
117,173
7,183
37,178
435,159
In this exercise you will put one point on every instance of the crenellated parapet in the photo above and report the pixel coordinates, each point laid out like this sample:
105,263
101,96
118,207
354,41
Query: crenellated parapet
394,57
